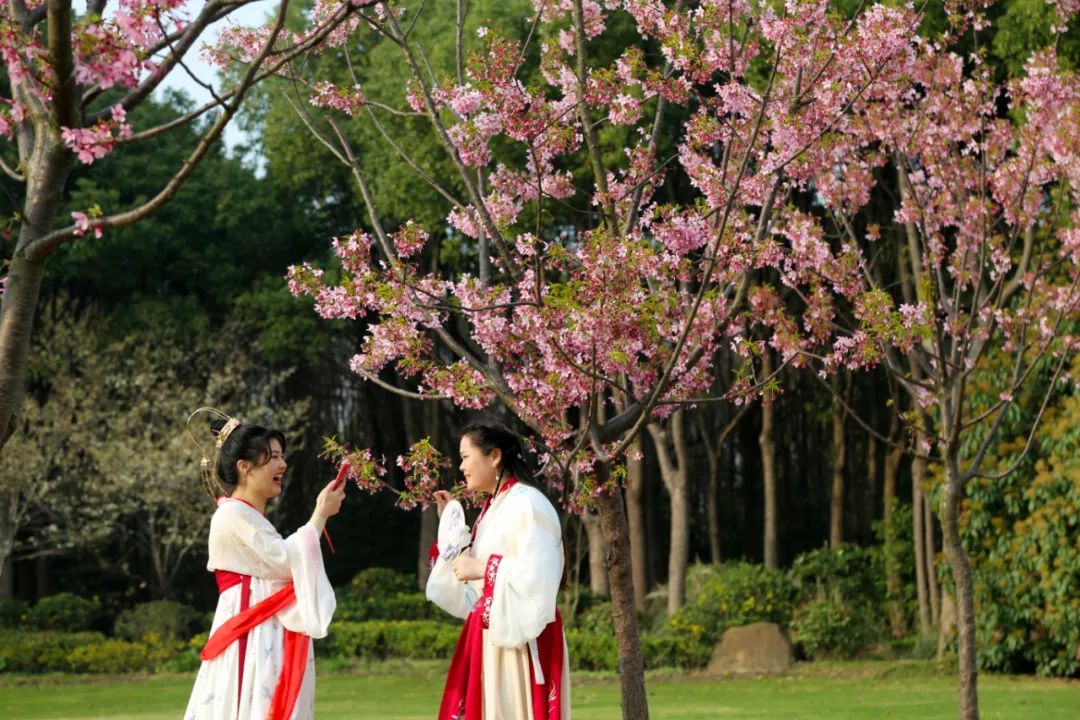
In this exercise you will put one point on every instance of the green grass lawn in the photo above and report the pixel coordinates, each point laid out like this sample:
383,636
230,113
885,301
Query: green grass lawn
838,691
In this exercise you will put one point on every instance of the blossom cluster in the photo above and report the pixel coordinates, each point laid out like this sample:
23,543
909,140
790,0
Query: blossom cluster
786,167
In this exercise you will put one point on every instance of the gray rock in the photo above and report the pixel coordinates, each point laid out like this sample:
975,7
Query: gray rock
758,649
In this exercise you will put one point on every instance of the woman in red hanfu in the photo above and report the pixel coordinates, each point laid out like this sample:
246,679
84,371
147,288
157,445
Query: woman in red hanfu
503,578
274,594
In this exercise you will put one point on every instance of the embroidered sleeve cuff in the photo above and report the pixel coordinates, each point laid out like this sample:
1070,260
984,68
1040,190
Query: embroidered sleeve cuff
488,596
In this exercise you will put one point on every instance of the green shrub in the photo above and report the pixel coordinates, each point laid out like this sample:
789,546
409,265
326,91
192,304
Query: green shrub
381,639
734,594
847,574
164,619
598,651
591,651
64,612
398,606
38,652
372,582
110,656
187,659
13,613
827,629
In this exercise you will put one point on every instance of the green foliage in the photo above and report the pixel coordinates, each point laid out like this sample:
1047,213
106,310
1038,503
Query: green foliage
842,600
13,613
187,658
1024,534
597,651
396,606
734,594
1024,28
374,581
592,651
382,639
110,656
900,549
1022,531
597,618
163,619
37,652
828,629
65,612
848,574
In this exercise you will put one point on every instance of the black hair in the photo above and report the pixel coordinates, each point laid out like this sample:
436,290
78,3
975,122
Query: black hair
489,435
246,442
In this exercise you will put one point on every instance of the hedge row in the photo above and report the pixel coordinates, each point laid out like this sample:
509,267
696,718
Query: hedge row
81,652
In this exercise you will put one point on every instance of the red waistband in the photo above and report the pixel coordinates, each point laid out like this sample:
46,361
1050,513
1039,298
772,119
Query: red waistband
227,579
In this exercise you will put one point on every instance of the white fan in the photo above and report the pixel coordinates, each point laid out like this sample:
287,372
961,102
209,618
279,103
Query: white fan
454,538
453,532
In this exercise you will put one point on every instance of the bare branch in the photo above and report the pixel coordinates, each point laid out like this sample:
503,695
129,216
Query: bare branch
451,150
376,380
48,243
591,141
11,172
974,471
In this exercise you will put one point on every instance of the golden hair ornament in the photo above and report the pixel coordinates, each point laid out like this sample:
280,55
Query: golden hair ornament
208,464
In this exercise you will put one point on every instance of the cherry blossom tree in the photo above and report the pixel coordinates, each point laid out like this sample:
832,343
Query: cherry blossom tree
984,184
589,332
72,80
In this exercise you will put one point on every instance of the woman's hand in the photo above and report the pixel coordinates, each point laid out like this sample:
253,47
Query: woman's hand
442,497
328,504
467,567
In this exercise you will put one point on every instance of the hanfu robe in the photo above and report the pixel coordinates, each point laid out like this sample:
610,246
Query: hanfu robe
511,661
252,564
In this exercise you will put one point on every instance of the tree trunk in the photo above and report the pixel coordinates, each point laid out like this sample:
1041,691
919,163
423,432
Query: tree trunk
866,522
839,447
635,484
598,574
7,577
48,163
7,547
918,500
673,471
17,310
933,592
892,570
635,704
712,499
967,692
41,576
768,469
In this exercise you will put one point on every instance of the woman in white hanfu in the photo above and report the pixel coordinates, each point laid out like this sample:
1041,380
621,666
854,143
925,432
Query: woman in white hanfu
503,578
274,595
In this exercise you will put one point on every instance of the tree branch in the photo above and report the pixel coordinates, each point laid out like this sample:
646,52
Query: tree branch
45,245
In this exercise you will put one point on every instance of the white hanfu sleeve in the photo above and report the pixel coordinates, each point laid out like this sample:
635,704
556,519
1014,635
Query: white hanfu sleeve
447,591
252,542
315,600
525,586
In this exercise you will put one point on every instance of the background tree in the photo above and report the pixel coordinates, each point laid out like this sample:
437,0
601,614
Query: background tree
562,328
983,212
71,81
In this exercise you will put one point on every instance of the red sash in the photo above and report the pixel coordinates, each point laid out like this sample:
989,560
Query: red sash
463,697
296,645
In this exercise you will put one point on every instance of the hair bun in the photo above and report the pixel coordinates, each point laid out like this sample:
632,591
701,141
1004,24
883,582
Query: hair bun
216,424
